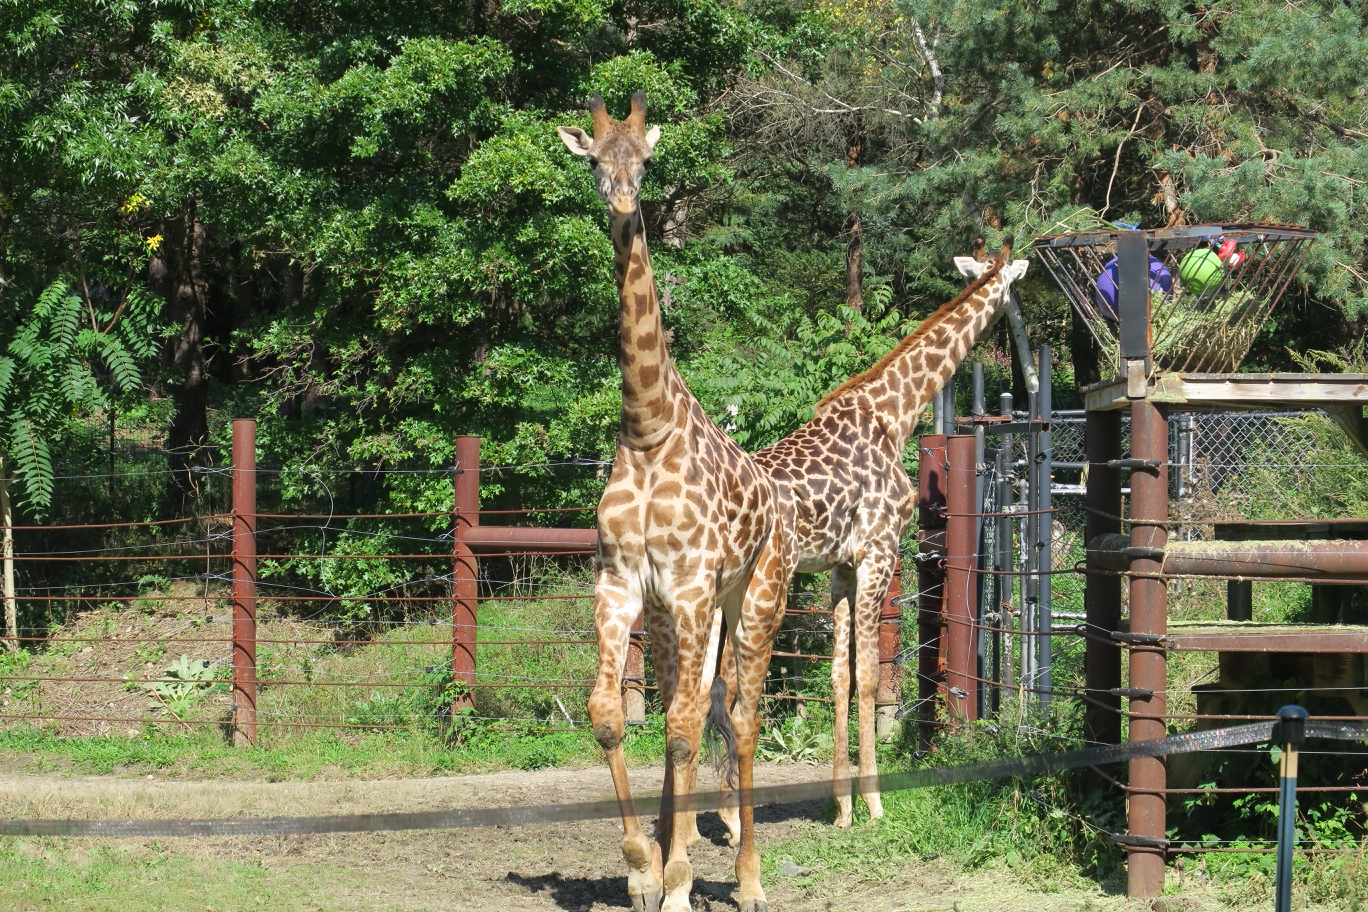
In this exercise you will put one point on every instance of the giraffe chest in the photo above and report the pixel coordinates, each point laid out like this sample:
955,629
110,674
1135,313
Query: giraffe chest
687,515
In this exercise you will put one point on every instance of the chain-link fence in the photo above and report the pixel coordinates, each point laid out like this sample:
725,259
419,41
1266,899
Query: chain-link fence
1224,467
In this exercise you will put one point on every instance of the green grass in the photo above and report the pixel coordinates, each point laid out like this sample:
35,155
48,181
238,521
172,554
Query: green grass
203,754
50,875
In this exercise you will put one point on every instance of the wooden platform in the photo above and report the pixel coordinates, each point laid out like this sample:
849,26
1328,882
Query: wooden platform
1248,636
1237,391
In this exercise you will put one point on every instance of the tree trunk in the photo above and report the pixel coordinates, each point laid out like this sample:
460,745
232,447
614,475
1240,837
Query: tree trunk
7,548
855,224
180,274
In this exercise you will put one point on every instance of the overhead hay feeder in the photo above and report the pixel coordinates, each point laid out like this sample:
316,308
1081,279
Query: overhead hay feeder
1211,287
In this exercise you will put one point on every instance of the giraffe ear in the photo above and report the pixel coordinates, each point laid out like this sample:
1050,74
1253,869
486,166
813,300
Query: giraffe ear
1016,269
653,137
968,266
576,140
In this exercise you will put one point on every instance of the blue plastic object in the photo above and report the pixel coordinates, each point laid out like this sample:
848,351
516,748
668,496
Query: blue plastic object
1160,280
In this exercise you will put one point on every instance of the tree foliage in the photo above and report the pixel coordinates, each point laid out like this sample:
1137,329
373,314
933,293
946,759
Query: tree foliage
356,222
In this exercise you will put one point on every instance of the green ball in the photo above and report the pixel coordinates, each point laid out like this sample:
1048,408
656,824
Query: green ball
1200,270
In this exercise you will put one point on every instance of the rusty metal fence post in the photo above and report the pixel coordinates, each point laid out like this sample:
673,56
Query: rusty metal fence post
960,563
888,693
634,676
464,586
244,582
1148,661
930,581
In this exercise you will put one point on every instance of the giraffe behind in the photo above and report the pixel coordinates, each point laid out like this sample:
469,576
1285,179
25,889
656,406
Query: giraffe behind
853,498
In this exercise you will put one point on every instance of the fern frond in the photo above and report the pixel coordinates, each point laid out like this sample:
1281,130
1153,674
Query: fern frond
50,299
66,321
121,364
7,371
33,463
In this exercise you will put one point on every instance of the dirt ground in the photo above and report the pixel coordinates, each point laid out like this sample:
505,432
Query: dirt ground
566,866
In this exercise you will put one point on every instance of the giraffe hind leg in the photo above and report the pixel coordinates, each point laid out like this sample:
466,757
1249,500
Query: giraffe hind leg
843,588
875,574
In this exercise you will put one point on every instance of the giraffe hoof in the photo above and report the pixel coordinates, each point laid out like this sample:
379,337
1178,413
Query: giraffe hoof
646,902
754,905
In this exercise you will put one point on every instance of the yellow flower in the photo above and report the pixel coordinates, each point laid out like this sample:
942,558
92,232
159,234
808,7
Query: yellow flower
133,204
153,243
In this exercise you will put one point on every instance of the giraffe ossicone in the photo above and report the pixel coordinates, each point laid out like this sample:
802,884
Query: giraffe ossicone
693,533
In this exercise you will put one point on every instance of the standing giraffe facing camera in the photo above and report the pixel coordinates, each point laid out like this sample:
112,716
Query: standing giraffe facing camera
689,526
853,498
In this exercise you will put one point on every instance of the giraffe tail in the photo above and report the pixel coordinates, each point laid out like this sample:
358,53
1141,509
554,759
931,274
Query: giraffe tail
719,729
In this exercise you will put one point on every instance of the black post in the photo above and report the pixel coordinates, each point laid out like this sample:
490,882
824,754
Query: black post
1290,732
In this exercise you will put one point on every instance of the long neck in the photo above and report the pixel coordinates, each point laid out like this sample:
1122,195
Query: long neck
925,361
651,388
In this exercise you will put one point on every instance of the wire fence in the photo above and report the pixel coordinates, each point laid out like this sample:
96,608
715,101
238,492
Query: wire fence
125,622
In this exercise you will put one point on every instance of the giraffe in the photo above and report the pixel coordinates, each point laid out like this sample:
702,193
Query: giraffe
692,533
854,499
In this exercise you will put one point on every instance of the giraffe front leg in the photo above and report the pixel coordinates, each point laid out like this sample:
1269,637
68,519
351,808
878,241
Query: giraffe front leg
683,735
843,589
614,612
875,574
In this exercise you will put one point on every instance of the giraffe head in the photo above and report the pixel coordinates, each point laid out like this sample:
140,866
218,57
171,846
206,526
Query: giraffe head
1008,272
619,152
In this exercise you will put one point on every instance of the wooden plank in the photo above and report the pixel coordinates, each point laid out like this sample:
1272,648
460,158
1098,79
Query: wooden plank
1235,391
1236,636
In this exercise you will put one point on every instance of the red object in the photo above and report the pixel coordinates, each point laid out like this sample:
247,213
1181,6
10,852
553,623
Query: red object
244,581
960,659
465,590
889,690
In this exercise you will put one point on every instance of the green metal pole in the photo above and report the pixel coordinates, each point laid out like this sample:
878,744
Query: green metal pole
1290,732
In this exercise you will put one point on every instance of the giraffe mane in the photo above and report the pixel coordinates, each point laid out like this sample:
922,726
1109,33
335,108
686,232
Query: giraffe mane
942,313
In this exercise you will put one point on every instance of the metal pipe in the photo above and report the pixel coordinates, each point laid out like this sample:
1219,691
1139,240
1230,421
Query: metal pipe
980,661
244,582
1030,617
959,566
512,538
1290,732
465,573
1148,666
930,579
1102,593
1322,558
634,676
1044,528
888,692
1020,342
1004,548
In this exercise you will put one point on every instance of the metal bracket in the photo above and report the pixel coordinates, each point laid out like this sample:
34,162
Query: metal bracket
1131,693
1145,639
1134,464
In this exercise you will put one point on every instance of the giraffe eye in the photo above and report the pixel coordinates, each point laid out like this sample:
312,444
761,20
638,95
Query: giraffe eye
593,162
647,163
